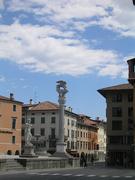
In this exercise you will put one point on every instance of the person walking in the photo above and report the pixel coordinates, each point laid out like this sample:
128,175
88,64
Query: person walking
84,161
92,160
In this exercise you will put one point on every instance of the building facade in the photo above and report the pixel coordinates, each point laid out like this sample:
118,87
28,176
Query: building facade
120,124
10,125
101,139
80,133
44,118
87,138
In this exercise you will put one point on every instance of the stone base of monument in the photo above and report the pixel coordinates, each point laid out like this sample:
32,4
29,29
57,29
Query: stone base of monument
29,151
42,152
61,151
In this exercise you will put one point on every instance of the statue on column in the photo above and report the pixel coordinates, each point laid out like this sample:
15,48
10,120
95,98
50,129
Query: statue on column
28,135
28,148
61,89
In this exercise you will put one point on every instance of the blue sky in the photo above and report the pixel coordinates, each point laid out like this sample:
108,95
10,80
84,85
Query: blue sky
86,43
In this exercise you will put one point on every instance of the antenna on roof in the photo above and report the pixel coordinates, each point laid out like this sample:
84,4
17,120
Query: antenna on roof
35,99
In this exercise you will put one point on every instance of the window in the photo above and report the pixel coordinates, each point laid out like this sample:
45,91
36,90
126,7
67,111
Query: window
116,97
81,145
77,133
130,97
68,132
13,139
42,131
13,123
116,125
22,132
43,113
44,144
23,120
53,120
53,112
53,132
133,67
116,112
130,140
14,107
42,120
81,133
130,124
68,145
32,114
72,123
72,144
68,122
32,120
116,139
72,133
77,144
130,111
52,144
32,131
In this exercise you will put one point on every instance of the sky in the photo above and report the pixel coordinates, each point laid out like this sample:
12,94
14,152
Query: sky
85,43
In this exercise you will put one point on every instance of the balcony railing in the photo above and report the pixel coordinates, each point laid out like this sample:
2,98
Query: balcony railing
52,137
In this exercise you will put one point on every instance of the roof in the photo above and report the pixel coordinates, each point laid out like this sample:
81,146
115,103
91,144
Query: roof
47,105
120,87
87,121
3,98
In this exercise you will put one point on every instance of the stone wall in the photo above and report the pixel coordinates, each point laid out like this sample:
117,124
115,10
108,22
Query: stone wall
48,163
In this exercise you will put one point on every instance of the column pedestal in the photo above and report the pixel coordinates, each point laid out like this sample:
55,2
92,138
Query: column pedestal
61,151
28,151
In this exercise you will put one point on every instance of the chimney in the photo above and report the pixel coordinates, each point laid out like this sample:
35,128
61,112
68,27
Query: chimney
11,96
97,119
30,101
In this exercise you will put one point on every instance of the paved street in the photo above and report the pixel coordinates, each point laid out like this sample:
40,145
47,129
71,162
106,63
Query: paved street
91,173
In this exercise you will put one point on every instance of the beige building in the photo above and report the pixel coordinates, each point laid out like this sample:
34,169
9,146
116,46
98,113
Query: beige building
10,125
45,126
119,114
80,132
87,136
101,139
71,131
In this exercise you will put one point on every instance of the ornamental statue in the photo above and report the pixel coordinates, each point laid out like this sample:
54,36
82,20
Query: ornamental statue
28,135
62,90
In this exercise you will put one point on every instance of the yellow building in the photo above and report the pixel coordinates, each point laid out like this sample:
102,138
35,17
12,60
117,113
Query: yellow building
10,125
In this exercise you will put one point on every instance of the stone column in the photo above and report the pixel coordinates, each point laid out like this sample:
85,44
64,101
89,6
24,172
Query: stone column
61,145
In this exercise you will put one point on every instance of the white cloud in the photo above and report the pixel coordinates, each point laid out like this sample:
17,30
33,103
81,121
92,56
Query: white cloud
1,4
111,14
114,70
59,48
45,49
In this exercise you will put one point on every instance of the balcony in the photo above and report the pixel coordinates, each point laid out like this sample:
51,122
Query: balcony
52,137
